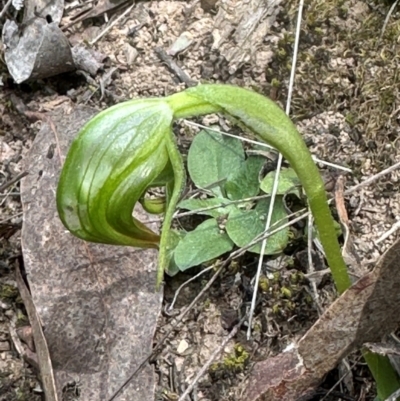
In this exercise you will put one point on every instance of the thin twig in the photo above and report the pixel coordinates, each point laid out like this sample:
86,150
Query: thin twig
111,25
371,179
6,7
11,217
10,194
13,181
5,197
222,204
263,236
394,396
265,145
171,307
211,359
45,118
225,203
331,390
278,168
174,67
388,233
311,269
387,21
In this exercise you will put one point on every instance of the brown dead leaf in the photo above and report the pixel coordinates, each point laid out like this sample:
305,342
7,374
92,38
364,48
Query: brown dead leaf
36,49
97,304
366,312
349,252
42,352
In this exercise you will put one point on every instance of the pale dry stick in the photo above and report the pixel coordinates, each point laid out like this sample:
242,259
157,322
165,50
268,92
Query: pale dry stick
13,181
101,34
171,307
222,204
387,21
394,396
278,169
5,197
44,118
388,233
265,145
371,179
329,164
10,194
341,379
206,189
17,343
363,184
211,359
318,244
310,262
208,208
5,8
174,67
11,217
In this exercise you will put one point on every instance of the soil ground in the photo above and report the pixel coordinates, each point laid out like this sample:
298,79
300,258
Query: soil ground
345,103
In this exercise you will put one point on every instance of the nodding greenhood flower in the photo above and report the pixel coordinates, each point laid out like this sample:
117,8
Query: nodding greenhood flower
116,157
129,148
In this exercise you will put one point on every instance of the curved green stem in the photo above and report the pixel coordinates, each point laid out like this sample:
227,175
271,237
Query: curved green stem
268,122
178,184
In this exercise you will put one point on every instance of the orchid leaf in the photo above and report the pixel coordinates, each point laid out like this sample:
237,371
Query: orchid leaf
203,244
205,164
243,226
288,182
244,182
216,206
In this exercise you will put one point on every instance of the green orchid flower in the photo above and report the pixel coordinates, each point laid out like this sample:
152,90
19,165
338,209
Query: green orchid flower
114,160
129,148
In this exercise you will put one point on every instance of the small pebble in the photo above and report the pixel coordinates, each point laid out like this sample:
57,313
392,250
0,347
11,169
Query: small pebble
182,347
4,346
